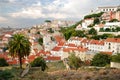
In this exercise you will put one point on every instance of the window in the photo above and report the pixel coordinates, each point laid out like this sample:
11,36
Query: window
106,9
109,9
112,9
109,46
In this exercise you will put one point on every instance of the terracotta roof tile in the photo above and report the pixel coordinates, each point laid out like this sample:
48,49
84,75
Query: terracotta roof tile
61,43
53,58
56,48
97,42
109,53
117,40
12,62
44,52
70,45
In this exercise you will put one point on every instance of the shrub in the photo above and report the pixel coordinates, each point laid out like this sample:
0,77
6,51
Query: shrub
3,62
92,31
5,75
114,20
93,15
39,62
74,61
101,60
116,58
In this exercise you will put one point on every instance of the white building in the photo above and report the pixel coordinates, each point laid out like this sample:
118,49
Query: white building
87,22
48,43
111,25
74,40
107,8
96,45
112,45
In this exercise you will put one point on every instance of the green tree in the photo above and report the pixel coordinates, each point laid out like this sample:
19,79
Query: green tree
38,32
113,30
6,74
78,33
93,15
117,29
118,36
108,30
40,40
50,30
3,62
19,46
104,36
101,29
39,62
116,58
96,21
74,61
100,60
49,21
103,22
91,25
96,37
114,20
67,34
92,31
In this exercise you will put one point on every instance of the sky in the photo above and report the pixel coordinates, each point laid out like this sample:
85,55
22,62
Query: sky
26,13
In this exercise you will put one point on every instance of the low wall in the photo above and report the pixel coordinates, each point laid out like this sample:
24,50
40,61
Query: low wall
115,65
115,33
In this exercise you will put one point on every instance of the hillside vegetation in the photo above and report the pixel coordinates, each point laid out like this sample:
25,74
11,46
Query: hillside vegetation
57,71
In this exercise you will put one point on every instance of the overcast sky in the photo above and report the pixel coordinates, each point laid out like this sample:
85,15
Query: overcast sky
25,13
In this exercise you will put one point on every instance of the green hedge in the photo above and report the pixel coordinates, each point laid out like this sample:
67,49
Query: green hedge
39,62
116,58
3,62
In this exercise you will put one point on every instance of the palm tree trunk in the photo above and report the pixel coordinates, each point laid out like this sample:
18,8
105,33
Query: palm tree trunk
20,59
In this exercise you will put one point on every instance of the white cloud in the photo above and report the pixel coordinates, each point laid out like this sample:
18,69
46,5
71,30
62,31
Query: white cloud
31,12
11,1
2,19
56,9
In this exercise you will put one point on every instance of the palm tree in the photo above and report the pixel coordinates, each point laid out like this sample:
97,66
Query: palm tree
19,46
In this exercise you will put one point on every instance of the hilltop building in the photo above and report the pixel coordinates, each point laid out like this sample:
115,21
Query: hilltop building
108,8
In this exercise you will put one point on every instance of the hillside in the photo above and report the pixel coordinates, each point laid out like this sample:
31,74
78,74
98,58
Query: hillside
81,74
57,71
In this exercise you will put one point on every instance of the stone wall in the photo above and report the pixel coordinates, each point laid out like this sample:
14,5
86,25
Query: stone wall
115,65
115,33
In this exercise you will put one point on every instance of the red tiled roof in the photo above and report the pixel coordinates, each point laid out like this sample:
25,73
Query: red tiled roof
117,40
44,53
10,32
53,58
101,25
70,45
61,43
4,55
12,62
109,53
56,48
97,42
84,41
1,36
81,49
31,57
59,38
35,43
69,49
